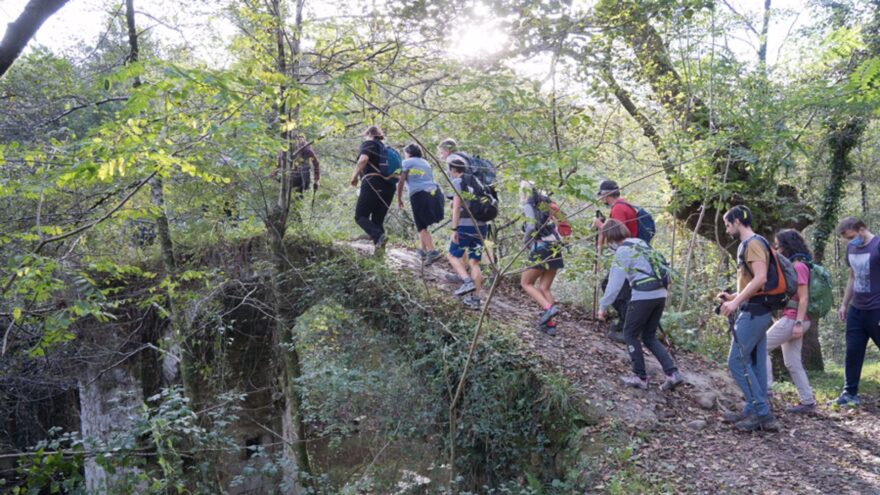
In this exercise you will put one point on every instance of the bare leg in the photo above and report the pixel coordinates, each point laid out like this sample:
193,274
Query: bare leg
544,286
458,266
527,282
476,275
426,240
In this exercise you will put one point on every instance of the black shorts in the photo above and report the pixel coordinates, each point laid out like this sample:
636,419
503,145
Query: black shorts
300,180
547,256
427,208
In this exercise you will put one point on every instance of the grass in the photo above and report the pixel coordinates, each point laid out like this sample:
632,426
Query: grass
828,384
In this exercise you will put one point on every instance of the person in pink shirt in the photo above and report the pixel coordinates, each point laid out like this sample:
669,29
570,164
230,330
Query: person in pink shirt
789,330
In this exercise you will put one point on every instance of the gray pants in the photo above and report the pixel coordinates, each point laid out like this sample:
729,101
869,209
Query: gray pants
780,335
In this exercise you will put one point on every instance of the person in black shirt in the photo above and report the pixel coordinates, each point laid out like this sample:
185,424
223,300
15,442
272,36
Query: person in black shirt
376,191
304,160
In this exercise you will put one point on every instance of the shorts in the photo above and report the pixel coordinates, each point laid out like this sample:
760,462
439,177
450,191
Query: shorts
546,256
427,208
469,240
300,180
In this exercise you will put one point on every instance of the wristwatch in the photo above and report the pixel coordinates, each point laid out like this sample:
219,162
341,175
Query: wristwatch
799,323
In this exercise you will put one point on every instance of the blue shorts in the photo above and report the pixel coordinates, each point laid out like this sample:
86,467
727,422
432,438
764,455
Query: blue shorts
469,240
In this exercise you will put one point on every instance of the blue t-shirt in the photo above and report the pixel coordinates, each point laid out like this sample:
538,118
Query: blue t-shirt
865,264
419,176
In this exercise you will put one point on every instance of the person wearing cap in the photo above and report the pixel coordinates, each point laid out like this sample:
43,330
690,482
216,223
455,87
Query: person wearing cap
622,211
376,193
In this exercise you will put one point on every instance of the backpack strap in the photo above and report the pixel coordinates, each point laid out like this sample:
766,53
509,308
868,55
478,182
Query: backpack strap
641,250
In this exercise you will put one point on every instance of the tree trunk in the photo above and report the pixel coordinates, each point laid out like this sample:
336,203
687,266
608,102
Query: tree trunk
20,31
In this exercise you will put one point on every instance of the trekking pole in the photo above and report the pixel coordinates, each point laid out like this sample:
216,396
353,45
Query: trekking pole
444,224
731,327
666,341
600,216
312,205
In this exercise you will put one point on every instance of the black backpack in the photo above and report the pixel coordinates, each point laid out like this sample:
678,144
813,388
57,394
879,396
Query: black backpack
545,222
481,203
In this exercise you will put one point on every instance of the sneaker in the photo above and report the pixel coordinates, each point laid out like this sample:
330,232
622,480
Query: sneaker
734,416
466,288
472,302
420,253
543,327
672,381
451,277
432,257
847,399
548,314
802,409
616,337
635,382
755,423
381,241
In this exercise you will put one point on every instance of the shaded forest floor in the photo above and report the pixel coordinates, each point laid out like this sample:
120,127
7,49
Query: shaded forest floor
681,443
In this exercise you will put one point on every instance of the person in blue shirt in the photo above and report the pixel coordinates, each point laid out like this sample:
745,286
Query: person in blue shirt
425,198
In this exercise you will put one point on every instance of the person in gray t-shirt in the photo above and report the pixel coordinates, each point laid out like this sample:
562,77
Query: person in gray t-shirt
425,198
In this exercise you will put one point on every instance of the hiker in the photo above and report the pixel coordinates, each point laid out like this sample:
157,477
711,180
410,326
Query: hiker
306,158
376,191
545,254
860,308
609,193
633,263
425,198
467,235
788,331
747,358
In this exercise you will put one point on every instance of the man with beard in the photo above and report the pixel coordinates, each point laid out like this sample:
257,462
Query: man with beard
747,359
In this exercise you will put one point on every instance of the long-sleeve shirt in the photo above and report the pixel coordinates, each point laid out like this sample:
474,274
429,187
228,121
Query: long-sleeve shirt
630,264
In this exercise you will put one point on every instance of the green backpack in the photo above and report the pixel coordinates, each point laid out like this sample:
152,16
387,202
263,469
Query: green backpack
821,298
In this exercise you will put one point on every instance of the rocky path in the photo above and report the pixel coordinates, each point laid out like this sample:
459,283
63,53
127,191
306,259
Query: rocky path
686,446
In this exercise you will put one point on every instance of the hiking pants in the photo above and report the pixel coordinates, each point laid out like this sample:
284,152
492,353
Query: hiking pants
861,325
372,205
779,335
642,320
747,359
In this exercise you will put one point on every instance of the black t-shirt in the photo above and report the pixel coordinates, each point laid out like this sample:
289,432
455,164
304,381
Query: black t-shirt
374,149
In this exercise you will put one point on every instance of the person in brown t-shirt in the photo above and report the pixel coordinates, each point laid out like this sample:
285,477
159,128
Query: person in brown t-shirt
747,359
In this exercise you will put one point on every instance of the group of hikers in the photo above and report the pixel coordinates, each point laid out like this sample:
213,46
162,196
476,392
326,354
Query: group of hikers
769,277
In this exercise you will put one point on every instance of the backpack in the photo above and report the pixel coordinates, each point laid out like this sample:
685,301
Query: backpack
481,168
390,166
549,220
661,274
820,289
781,277
645,222
481,203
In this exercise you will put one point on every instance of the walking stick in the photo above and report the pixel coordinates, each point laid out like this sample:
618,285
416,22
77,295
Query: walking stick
600,216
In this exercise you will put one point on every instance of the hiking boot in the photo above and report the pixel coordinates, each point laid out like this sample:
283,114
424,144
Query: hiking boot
802,409
421,254
734,416
432,257
847,399
673,380
635,382
548,314
754,423
451,277
471,302
382,241
466,288
615,337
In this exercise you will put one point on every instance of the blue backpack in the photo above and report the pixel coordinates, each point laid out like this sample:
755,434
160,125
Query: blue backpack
390,166
645,221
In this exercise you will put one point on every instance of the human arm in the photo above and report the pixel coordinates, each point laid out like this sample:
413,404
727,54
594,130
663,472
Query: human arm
803,293
361,163
734,301
400,182
616,279
847,296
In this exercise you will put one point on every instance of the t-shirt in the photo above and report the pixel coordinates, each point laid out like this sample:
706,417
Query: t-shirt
465,220
755,251
625,213
865,264
803,278
304,157
374,149
419,176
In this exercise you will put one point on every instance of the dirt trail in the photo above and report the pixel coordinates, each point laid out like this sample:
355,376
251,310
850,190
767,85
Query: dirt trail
831,452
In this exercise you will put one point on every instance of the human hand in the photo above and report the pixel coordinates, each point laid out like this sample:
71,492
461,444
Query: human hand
600,315
841,313
400,204
797,330
729,307
723,297
315,186
597,223
455,237
354,181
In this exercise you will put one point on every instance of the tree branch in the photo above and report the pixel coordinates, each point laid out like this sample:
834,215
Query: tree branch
20,31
